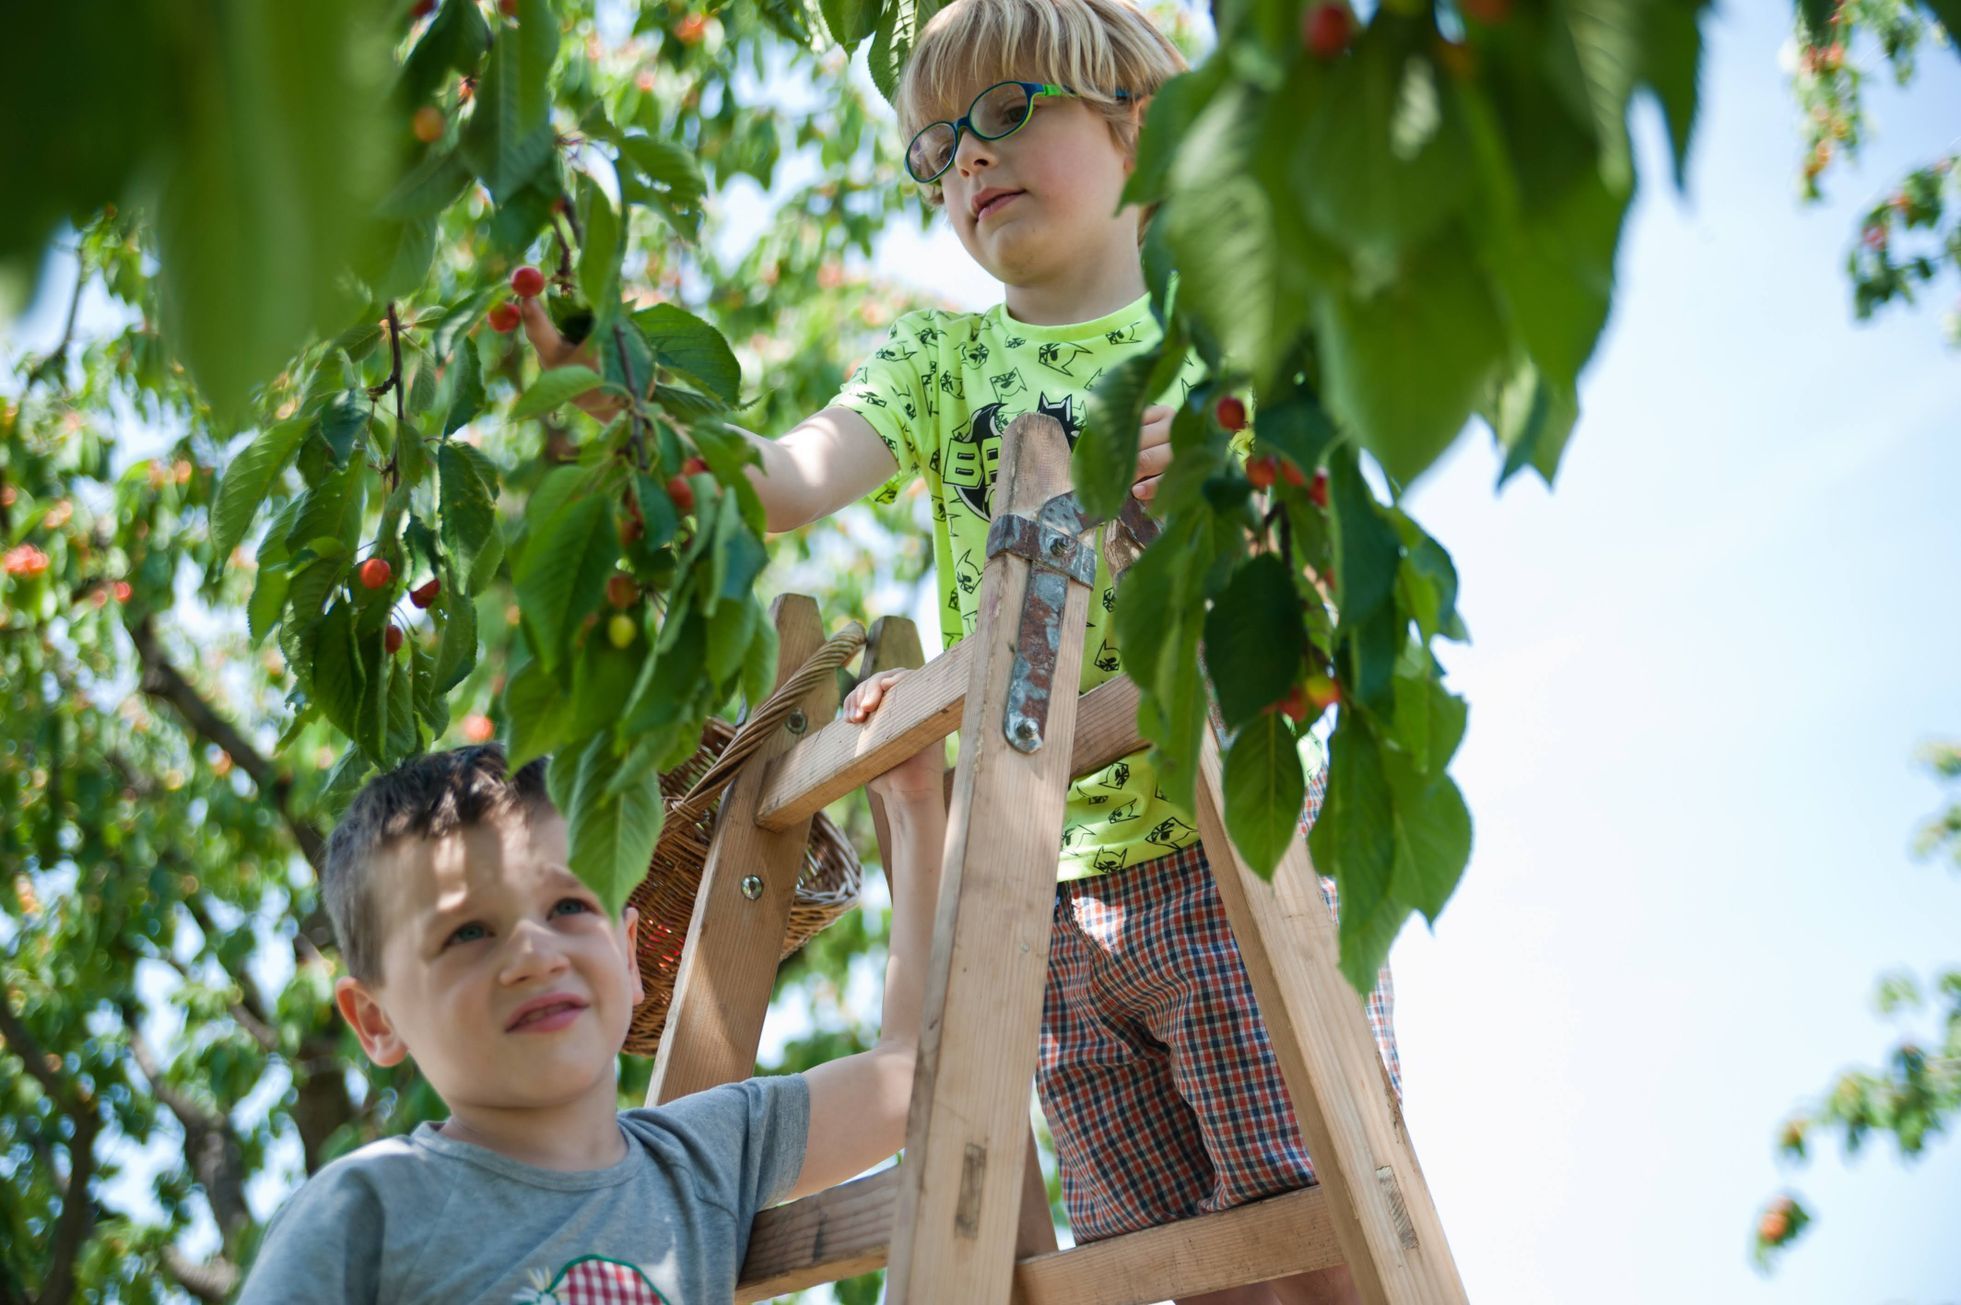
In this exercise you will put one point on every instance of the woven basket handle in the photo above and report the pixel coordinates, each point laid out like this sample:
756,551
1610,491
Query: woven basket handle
762,722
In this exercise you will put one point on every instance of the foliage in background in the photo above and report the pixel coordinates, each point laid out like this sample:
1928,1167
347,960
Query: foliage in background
1917,1093
1910,237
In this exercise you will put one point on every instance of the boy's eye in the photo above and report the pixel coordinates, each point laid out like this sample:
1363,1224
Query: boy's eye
575,904
467,933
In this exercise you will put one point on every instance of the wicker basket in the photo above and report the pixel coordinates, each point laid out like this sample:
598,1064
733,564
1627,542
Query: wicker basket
826,886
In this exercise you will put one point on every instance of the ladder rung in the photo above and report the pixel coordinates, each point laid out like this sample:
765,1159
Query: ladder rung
835,1234
926,706
847,1231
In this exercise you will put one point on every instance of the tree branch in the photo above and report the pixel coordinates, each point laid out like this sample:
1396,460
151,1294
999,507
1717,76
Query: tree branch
163,681
60,354
211,1281
77,1210
210,1143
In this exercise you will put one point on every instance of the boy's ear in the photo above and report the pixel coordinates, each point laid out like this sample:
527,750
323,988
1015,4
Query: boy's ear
633,953
364,1014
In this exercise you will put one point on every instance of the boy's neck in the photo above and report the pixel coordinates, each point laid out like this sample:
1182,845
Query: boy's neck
580,1134
1097,290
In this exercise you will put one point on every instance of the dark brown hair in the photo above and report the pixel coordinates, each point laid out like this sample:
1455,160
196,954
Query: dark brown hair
431,796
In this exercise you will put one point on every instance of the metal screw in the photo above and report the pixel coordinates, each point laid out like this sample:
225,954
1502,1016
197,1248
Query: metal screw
752,886
1025,730
1057,547
796,724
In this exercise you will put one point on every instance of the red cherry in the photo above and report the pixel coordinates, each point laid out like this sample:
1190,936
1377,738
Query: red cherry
694,466
1294,706
621,591
122,591
503,317
423,8
682,493
1262,471
527,282
1231,413
1322,692
391,639
376,573
691,29
1326,30
423,595
509,7
1317,490
1292,474
632,531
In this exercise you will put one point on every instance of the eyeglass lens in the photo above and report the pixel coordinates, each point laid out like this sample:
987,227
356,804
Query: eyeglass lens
995,113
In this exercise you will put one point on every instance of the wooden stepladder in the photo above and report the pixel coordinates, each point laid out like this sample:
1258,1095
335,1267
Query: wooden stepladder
964,1218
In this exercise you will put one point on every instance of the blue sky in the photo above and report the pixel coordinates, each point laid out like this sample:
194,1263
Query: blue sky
1701,669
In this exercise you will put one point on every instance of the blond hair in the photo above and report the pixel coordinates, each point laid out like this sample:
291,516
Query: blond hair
1094,47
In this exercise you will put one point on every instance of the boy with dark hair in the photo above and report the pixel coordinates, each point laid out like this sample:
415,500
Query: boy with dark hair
472,948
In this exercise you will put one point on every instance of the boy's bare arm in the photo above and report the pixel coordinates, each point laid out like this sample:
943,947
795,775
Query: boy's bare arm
822,464
858,1103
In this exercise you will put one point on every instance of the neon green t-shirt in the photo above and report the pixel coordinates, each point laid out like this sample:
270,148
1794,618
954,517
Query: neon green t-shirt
939,392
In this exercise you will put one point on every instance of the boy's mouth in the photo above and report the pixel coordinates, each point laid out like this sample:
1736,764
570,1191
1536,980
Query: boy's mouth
991,200
543,1014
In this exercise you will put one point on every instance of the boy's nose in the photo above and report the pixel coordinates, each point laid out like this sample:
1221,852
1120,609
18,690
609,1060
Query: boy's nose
531,953
972,152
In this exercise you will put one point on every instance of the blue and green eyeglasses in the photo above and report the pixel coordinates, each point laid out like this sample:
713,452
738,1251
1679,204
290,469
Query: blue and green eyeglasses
1001,110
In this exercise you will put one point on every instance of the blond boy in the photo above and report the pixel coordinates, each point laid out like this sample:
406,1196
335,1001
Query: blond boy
1021,118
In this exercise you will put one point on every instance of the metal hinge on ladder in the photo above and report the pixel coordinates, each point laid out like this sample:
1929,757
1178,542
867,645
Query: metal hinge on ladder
1056,557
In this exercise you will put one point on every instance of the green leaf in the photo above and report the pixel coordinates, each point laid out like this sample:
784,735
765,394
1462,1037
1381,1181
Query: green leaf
1253,640
684,342
1220,229
1353,842
612,826
247,481
1532,419
454,42
342,420
1381,164
339,682
553,388
666,166
1405,367
426,189
1602,41
1367,548
1433,840
850,21
1264,789
466,397
262,610
464,504
509,135
539,718
1167,120
457,653
898,27
599,256
1671,58
561,574
273,162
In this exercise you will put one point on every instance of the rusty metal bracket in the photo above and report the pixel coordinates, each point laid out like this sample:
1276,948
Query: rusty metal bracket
1056,557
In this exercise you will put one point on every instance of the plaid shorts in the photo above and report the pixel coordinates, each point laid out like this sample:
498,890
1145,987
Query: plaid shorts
1156,1073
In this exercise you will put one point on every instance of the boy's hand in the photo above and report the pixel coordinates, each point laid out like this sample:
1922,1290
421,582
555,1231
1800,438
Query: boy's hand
554,350
920,775
1153,450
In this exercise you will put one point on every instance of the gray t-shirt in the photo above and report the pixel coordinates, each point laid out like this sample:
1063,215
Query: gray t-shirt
428,1218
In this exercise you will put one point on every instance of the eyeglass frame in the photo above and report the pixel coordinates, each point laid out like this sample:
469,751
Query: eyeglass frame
965,122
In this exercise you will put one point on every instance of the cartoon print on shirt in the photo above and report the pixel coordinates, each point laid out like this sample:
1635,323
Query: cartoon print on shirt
965,574
1128,811
1117,776
1171,832
953,384
974,452
1106,657
928,336
1126,335
1109,600
1008,384
975,353
896,351
1107,860
1060,357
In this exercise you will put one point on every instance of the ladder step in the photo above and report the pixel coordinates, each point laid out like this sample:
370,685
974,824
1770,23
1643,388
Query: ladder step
925,706
847,1230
